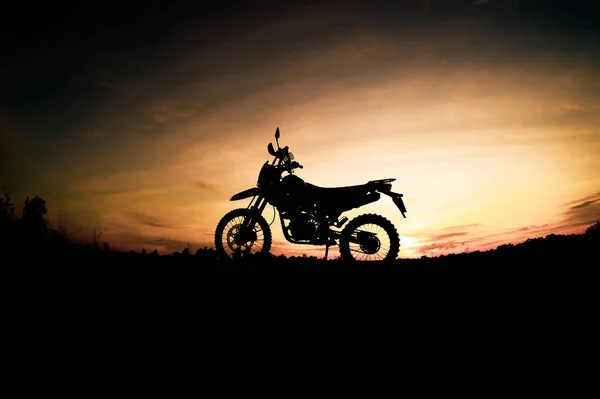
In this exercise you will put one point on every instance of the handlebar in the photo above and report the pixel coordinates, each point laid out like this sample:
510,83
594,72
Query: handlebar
281,154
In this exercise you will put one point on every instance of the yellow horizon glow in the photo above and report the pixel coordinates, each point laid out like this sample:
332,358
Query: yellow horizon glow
483,156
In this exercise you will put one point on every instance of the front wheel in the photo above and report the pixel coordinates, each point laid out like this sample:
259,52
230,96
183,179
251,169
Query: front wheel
369,237
242,232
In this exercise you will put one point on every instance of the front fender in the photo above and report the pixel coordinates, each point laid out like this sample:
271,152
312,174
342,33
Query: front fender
251,192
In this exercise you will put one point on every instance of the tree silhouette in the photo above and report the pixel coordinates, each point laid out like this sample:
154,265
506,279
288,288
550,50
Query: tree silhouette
33,215
6,206
593,230
7,210
96,238
7,223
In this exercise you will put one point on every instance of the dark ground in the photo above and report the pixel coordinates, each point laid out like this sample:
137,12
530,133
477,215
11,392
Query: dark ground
554,252
83,284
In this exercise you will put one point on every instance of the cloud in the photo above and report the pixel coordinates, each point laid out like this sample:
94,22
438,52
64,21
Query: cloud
98,76
164,110
440,243
448,235
442,239
92,134
582,212
443,246
587,198
143,127
204,185
532,227
148,220
171,244
157,115
584,204
461,226
587,205
573,218
121,194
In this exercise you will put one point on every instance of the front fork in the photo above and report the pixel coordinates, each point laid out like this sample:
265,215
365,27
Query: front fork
258,205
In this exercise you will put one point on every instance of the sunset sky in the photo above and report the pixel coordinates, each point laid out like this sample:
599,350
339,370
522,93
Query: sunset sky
141,121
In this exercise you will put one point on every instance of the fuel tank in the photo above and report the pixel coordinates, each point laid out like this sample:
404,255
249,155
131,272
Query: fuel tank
293,185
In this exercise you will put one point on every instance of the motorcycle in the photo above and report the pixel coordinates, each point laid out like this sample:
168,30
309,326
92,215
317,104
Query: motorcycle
309,214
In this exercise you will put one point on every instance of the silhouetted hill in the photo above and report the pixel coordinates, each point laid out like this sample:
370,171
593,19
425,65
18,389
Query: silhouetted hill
28,242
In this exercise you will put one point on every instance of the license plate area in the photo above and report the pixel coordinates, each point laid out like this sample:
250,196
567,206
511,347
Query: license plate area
397,198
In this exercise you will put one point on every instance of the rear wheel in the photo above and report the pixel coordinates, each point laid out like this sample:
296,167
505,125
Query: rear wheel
369,237
242,232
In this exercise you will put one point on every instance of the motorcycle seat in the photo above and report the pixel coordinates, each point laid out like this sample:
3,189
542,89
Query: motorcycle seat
331,193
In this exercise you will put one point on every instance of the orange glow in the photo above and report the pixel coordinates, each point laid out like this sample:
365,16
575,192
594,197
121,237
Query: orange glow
485,153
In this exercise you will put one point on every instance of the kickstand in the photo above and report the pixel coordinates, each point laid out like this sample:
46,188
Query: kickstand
326,251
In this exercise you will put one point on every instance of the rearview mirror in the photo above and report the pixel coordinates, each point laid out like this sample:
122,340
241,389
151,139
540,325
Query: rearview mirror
277,134
271,149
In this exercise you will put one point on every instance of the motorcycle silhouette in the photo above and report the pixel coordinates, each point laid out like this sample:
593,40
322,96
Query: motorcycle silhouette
309,215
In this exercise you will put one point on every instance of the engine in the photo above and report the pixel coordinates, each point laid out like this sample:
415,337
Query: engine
302,226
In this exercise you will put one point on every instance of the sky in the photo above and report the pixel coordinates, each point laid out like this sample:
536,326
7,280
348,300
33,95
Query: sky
140,121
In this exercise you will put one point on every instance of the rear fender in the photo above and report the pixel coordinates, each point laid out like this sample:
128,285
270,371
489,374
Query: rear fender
397,198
